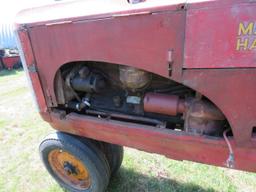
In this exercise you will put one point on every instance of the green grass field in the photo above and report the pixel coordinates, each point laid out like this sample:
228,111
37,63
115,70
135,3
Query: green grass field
21,131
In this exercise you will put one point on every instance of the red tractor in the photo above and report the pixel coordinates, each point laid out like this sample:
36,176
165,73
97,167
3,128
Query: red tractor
177,78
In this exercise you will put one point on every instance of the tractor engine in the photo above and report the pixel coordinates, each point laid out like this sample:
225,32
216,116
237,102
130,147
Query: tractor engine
133,95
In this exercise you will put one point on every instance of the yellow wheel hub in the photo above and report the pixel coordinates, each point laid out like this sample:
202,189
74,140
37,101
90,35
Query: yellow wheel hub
70,169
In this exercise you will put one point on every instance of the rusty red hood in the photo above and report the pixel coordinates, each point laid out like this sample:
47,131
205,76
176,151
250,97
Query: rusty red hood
94,9
87,8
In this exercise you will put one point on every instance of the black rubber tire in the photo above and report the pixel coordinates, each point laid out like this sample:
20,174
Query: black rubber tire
86,152
113,153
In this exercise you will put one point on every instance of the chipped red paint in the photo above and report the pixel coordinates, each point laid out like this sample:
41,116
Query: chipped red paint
114,46
213,39
201,37
30,63
170,143
233,91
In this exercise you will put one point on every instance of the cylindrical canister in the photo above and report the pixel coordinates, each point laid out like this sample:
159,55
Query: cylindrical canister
163,104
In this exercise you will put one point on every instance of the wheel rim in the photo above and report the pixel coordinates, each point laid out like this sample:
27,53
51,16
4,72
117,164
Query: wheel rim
69,169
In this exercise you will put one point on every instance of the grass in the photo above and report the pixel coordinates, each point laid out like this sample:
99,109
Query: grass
21,130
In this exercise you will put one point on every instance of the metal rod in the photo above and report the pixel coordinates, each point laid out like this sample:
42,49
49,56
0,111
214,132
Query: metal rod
231,159
124,116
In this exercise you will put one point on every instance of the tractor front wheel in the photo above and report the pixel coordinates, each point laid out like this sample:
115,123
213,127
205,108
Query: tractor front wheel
77,166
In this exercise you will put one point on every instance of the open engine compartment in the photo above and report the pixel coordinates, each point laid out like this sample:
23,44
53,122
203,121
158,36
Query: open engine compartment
132,95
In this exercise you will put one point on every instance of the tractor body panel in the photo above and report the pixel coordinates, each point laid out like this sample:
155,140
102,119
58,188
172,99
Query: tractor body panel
207,46
221,37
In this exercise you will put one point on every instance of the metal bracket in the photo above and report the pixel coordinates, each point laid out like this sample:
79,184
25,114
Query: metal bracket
32,69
